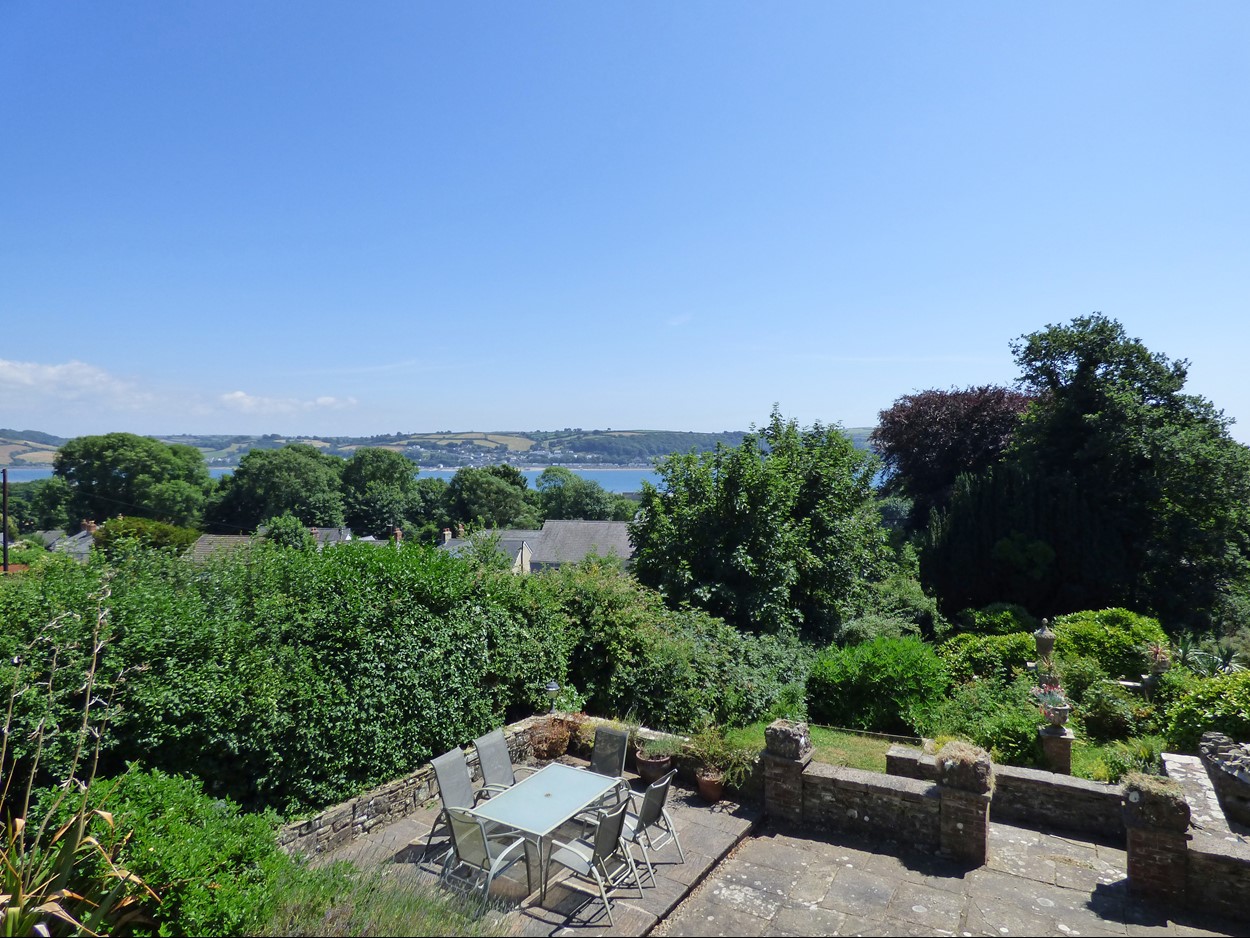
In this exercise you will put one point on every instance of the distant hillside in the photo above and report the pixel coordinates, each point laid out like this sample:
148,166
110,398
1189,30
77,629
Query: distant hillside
28,447
570,446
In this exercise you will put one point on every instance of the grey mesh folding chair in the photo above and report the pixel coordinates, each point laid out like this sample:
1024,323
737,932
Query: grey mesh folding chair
605,858
498,772
455,789
477,856
608,756
651,817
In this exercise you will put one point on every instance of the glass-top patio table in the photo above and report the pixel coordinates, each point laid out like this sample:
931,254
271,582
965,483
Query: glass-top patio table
539,804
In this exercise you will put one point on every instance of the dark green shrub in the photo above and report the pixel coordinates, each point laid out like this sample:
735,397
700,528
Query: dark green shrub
1172,686
1107,711
150,533
1115,638
999,717
1220,704
992,656
876,685
997,619
902,597
1078,673
215,869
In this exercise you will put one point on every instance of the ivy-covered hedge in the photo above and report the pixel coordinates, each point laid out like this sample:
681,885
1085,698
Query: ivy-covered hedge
292,679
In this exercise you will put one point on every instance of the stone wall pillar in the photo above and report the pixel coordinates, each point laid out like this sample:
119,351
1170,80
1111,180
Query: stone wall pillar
965,778
787,751
1057,748
1156,817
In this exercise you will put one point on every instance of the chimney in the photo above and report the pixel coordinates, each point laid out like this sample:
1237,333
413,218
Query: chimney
398,535
446,535
89,526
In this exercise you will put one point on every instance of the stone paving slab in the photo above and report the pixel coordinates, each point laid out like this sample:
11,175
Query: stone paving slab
781,882
572,906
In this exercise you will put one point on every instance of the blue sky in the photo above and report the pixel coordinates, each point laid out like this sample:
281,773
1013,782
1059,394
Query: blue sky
366,218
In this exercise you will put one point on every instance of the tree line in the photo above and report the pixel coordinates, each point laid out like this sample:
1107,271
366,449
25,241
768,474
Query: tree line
374,492
1095,482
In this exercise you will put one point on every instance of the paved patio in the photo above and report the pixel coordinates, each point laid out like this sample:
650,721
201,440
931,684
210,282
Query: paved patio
742,877
707,834
779,884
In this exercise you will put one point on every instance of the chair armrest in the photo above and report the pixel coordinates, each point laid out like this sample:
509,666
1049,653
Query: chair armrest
487,790
528,769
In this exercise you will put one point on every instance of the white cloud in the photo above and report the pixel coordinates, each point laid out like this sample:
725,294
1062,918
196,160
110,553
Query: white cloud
34,382
246,403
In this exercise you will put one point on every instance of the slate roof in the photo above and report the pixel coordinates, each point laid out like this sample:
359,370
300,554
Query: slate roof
208,544
77,545
573,541
510,541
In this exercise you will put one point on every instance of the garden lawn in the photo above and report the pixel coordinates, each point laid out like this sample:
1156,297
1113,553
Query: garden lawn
833,747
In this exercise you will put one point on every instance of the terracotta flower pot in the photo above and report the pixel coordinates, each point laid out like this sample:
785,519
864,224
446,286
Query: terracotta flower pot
652,770
711,787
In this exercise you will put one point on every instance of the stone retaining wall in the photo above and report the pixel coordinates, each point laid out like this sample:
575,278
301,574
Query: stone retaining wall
1032,798
900,809
948,815
1228,765
1218,876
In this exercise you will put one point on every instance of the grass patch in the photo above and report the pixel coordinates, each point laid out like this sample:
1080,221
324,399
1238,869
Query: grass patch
344,900
833,747
1110,762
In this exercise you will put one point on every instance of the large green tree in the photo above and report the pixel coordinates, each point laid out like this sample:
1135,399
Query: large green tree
124,474
492,497
777,534
298,479
564,494
1123,490
379,491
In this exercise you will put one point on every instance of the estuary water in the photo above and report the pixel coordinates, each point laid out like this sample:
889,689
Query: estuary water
614,480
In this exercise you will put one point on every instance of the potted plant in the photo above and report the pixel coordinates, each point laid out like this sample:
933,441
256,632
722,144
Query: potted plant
718,763
653,755
1052,702
1158,657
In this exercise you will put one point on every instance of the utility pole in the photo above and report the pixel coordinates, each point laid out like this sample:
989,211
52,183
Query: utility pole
4,516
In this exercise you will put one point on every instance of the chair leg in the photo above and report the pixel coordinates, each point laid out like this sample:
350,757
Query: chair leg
646,859
681,854
604,894
429,838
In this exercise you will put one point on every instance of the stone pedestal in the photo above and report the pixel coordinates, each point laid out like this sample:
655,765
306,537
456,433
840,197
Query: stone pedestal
965,826
787,751
1156,818
965,778
1057,748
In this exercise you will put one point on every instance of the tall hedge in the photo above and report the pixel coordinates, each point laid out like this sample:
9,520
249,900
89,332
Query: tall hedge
293,679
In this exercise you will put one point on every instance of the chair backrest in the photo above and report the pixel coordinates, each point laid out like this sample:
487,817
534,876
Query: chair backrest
468,834
495,760
653,801
455,788
608,833
608,756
